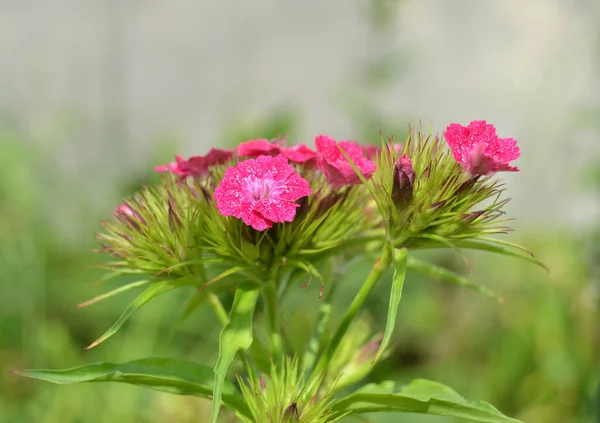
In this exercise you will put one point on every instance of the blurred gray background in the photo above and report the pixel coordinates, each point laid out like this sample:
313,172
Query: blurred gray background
95,86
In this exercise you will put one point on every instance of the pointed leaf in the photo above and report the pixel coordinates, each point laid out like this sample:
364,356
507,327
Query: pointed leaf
114,292
235,336
484,246
399,263
163,374
150,293
420,396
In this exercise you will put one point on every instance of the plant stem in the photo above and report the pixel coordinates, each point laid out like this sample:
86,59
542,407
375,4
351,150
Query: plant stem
218,308
273,316
379,267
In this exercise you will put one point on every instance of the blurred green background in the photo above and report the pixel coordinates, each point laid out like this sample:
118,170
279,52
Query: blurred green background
535,357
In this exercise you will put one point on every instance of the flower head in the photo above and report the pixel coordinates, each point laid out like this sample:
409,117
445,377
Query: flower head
196,166
300,154
259,147
479,149
336,167
261,191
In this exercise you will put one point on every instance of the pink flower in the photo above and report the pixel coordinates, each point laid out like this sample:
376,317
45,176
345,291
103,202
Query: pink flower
260,147
300,154
479,149
261,191
334,165
196,166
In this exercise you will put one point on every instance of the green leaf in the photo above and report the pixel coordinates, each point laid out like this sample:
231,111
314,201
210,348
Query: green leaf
150,293
434,271
162,374
399,263
235,336
500,249
420,396
114,292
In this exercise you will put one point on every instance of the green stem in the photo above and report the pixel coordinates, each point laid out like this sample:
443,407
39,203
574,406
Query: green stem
217,307
379,267
273,316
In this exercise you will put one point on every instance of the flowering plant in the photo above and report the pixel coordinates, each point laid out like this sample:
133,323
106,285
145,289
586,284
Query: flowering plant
266,218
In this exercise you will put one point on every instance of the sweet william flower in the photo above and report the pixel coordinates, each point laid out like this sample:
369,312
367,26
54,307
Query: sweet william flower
196,166
301,154
261,191
336,167
259,147
480,150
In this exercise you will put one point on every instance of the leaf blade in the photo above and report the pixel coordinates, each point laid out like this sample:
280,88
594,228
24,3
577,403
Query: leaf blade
235,336
422,397
400,264
171,375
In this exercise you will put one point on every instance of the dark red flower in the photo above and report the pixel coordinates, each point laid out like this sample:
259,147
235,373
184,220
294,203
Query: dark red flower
196,166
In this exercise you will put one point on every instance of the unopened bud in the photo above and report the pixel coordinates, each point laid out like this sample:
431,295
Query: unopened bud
368,351
126,214
470,217
291,413
404,179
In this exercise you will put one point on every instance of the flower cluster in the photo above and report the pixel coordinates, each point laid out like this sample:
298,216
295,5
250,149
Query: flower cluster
311,203
266,217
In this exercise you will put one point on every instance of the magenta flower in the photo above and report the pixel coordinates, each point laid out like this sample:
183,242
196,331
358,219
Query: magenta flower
261,191
480,150
196,166
300,154
334,165
260,147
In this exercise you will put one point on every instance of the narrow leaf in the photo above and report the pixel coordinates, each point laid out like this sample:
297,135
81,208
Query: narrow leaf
235,336
154,291
493,248
434,271
420,396
162,374
399,263
114,292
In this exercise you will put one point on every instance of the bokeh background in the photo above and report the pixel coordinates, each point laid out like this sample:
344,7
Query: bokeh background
93,94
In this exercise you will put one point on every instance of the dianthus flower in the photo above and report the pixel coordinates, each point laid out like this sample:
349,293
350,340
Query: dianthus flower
336,167
479,149
259,147
301,154
261,191
196,166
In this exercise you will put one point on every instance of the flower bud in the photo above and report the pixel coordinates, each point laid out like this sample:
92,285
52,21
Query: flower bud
291,413
126,214
404,178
